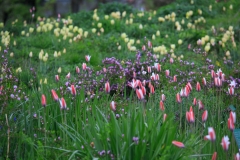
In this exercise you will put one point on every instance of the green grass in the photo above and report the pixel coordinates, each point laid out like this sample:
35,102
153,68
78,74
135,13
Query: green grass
88,128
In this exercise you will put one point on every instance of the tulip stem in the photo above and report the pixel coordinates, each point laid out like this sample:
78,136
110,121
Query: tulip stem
45,129
180,127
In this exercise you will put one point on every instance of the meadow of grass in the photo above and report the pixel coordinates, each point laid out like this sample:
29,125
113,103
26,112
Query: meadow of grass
119,83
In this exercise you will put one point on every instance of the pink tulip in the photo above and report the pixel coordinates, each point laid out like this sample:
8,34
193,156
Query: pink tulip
151,89
113,106
190,116
162,106
213,75
232,116
87,57
167,72
214,156
107,87
43,100
204,116
211,134
54,95
63,104
157,67
164,117
231,126
200,105
174,78
57,78
143,90
194,101
68,75
149,69
73,90
178,98
77,69
149,44
225,143
204,82
163,97
139,94
133,84
231,91
178,144
84,66
198,87
237,156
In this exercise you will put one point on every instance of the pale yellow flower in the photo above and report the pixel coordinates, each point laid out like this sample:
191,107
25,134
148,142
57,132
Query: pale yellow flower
180,41
112,22
59,70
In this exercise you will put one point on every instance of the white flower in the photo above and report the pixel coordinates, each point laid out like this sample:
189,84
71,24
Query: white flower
233,84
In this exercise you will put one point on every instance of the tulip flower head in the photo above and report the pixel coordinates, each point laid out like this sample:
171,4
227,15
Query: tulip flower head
139,94
213,75
204,82
174,78
231,91
161,105
214,156
43,100
149,69
152,90
163,97
217,82
143,90
211,134
157,67
237,156
77,69
84,66
133,84
113,106
200,105
178,144
167,72
190,116
149,44
178,98
164,117
232,116
204,116
231,126
68,75
219,73
195,101
57,78
73,90
233,84
54,95
87,58
154,77
107,87
225,143
63,104
198,87
143,48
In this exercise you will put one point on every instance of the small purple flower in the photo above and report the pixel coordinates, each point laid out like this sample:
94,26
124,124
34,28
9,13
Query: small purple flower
12,96
34,115
135,139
